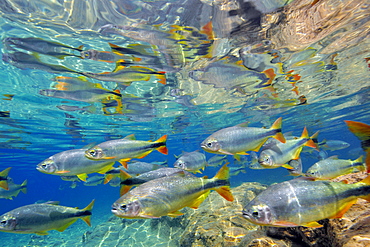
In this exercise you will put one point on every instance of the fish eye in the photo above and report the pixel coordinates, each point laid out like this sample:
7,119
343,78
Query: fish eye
123,207
209,144
92,152
3,222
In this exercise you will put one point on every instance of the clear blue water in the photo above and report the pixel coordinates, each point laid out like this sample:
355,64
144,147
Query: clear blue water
37,127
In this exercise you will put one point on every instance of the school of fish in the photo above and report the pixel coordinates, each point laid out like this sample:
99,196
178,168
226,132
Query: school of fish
149,190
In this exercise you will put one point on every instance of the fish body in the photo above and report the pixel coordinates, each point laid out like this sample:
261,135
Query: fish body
362,132
333,145
217,160
4,178
73,162
38,45
333,167
167,195
40,218
139,167
93,181
238,139
303,202
87,95
191,162
31,61
13,190
128,181
126,75
125,149
279,154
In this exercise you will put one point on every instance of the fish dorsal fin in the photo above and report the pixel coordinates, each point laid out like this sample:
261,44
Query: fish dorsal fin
52,202
130,137
334,157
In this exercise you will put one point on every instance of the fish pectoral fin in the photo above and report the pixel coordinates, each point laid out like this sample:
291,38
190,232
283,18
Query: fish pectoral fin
196,203
288,166
82,176
62,228
62,172
41,233
175,214
108,178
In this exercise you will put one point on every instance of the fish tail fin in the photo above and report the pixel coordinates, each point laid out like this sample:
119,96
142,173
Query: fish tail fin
162,149
362,132
161,77
124,188
4,185
277,126
24,186
313,141
108,178
87,210
224,191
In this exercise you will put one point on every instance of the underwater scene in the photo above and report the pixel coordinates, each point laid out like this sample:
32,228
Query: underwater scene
185,123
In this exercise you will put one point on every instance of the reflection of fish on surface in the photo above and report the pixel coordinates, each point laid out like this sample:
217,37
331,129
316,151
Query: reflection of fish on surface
128,181
303,202
333,167
23,60
191,162
127,74
4,178
125,149
238,139
167,195
39,45
362,132
13,190
73,162
279,154
42,217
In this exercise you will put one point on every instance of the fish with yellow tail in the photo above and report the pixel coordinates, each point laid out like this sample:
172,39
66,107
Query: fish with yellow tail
239,139
333,167
73,162
303,202
4,178
43,217
13,189
127,74
167,195
280,154
125,149
362,131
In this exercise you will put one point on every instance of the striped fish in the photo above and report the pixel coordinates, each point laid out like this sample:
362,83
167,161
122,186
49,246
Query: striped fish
303,202
167,195
123,150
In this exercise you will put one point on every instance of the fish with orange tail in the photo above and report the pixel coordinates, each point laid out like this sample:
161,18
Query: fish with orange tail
362,131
